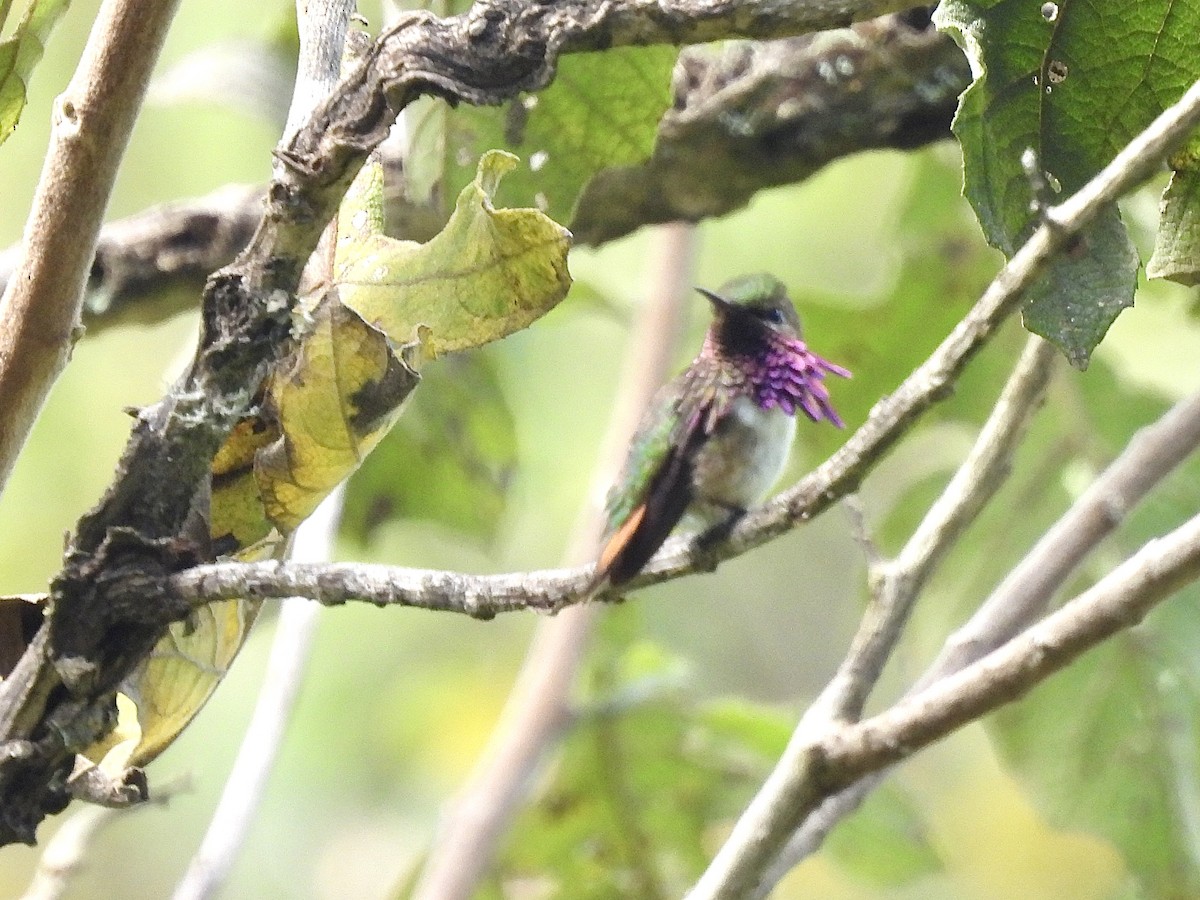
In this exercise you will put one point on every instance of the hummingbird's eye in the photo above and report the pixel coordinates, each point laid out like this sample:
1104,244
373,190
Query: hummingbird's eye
774,315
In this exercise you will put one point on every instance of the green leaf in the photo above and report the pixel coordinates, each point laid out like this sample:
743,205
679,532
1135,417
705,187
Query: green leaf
1074,81
449,458
488,273
19,54
1080,296
755,728
602,110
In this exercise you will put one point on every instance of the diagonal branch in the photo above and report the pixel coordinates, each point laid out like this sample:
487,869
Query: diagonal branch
93,118
813,768
897,583
1023,596
763,830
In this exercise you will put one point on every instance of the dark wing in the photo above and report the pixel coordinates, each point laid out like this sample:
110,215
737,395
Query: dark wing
649,502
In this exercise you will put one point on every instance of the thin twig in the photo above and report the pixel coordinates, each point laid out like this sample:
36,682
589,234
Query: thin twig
1026,591
286,665
93,118
66,853
896,583
322,26
539,706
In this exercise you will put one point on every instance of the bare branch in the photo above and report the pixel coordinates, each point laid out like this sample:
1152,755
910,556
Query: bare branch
794,785
66,852
813,768
1118,601
39,312
1025,594
896,583
164,250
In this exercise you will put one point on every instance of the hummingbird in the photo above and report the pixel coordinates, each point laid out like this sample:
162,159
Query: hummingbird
715,438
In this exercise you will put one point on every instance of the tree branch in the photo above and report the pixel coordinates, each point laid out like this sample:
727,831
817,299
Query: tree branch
812,769
896,583
1026,592
757,838
1118,601
39,312
66,852
168,249
749,116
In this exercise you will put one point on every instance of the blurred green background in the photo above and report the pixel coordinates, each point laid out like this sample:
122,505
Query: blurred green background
882,257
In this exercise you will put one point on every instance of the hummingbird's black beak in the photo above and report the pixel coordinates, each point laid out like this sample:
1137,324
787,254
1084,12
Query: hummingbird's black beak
720,304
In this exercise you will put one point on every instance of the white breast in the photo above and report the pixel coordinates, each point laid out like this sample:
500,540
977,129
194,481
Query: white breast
741,462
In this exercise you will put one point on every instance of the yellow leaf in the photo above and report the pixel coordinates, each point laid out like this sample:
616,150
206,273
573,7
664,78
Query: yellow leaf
341,395
488,273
